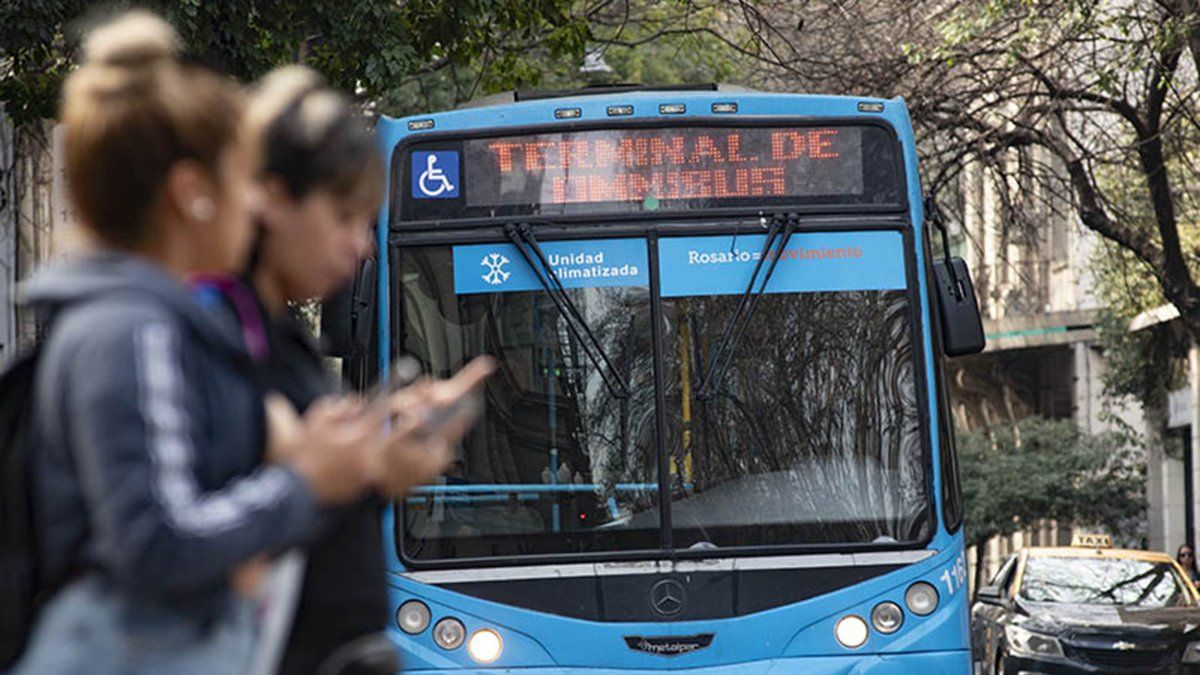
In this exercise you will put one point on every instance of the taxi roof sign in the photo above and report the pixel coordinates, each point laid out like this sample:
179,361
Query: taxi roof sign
1092,541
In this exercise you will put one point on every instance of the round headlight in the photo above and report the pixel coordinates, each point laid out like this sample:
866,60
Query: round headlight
887,617
485,645
449,633
412,617
921,598
851,632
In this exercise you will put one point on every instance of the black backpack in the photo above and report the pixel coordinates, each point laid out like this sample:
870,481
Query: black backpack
19,573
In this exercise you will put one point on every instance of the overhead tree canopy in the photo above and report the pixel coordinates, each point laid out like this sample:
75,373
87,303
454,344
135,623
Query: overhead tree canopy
391,54
366,46
1091,100
631,41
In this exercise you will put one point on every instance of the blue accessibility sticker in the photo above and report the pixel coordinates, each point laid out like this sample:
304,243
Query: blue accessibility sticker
500,268
809,262
435,174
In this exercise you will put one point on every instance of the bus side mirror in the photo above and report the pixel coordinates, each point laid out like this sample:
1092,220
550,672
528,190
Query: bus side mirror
962,327
346,316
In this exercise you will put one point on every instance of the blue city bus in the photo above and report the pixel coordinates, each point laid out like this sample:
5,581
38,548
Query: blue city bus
718,437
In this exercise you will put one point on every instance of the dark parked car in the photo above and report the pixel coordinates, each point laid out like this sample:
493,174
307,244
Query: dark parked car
1087,609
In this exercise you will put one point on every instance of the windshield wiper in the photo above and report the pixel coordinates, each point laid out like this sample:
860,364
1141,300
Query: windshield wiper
736,326
529,248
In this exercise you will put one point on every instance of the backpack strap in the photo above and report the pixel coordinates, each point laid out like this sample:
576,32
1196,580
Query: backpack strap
21,574
211,289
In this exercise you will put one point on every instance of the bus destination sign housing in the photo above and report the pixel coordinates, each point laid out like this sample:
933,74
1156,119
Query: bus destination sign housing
647,169
681,164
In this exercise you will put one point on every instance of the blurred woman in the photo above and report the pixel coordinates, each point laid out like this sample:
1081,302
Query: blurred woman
149,483
322,180
1186,558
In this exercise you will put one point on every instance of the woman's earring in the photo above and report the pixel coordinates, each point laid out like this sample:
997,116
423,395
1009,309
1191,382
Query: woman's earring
203,209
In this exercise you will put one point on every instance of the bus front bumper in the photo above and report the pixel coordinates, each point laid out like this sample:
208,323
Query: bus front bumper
926,663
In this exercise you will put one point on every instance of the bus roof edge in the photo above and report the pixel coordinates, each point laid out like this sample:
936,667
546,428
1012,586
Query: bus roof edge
515,96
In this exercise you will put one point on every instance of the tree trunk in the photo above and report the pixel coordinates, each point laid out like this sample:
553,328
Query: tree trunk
33,181
8,240
980,567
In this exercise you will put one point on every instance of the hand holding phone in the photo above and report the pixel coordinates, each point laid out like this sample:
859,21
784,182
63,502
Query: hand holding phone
450,407
428,417
337,448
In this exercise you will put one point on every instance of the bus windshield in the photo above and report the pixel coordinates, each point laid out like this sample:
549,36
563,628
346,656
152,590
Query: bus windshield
812,435
559,453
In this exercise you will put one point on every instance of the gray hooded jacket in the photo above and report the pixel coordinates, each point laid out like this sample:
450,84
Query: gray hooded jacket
149,432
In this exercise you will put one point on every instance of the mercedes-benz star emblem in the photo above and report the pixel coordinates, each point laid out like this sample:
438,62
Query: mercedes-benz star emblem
668,597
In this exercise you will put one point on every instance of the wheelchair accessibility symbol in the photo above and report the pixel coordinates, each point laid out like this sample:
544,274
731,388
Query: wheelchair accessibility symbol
435,175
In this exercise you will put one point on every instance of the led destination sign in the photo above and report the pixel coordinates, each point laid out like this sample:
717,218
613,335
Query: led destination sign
646,169
597,167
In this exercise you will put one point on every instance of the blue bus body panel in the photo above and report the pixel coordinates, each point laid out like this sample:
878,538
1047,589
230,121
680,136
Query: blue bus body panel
792,638
800,631
931,663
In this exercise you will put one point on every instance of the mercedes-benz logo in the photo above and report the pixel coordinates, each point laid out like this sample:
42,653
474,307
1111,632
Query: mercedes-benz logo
668,597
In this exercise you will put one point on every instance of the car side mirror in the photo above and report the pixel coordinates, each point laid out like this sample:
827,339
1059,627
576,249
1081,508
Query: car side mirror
989,595
962,326
346,316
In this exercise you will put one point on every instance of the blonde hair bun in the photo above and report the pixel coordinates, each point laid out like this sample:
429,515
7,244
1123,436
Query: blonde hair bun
133,39
276,92
129,113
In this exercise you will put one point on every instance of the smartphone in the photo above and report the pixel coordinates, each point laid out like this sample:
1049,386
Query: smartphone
404,371
464,409
467,405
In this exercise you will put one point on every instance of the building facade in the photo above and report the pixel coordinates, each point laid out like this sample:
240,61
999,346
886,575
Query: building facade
1033,278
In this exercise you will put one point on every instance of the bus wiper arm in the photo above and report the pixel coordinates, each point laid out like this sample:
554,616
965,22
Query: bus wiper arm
529,248
736,327
705,391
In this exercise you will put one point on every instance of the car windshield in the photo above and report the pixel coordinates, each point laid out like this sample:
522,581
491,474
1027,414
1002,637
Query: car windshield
812,436
1128,582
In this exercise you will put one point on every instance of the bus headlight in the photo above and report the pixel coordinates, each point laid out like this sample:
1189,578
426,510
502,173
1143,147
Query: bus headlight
449,633
412,617
485,645
921,598
1022,642
851,632
887,617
